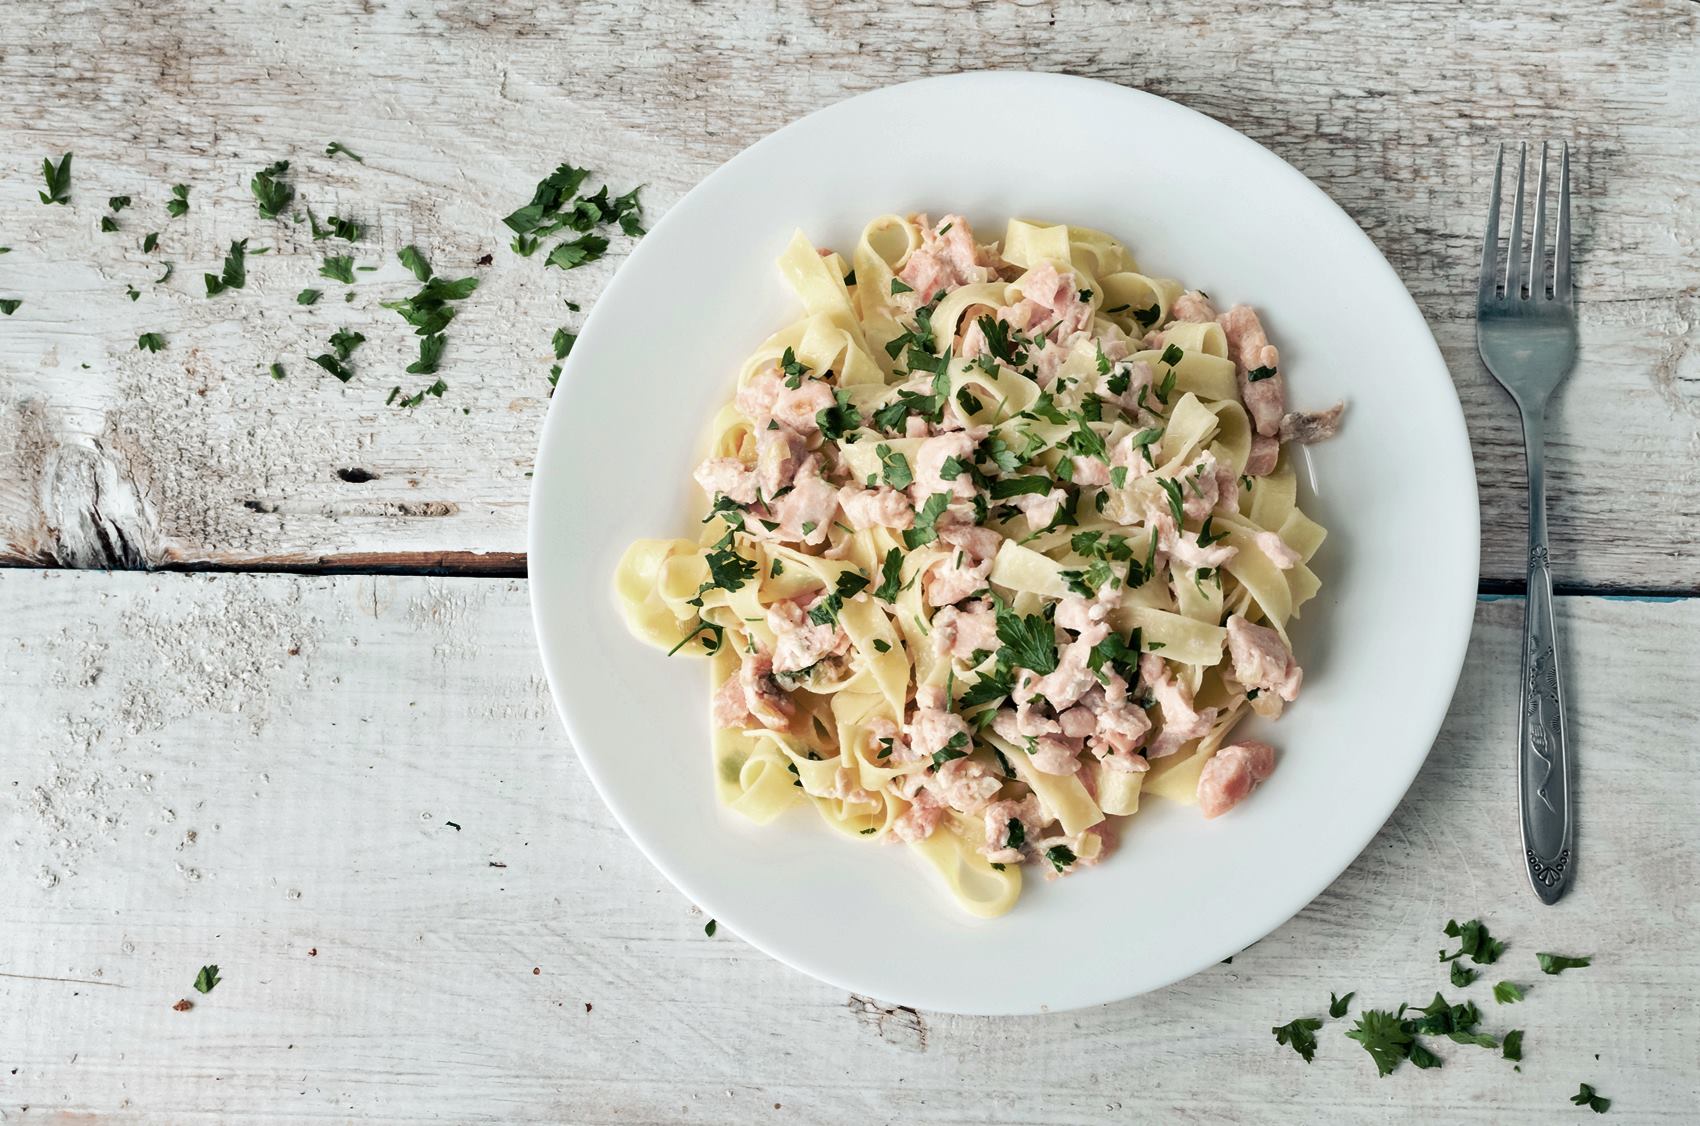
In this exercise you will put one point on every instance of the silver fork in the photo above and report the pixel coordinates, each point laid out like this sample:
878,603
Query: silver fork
1528,341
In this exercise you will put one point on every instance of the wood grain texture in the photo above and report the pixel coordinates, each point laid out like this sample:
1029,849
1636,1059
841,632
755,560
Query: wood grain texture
193,456
350,793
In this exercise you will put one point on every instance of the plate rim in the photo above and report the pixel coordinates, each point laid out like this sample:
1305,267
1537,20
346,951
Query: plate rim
1455,649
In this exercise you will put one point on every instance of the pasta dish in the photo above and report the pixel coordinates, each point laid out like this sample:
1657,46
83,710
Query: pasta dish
1000,538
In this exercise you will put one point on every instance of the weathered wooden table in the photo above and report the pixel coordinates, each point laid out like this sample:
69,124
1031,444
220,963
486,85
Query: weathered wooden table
267,689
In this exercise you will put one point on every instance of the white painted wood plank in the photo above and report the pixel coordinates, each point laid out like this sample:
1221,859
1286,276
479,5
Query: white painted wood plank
261,771
194,455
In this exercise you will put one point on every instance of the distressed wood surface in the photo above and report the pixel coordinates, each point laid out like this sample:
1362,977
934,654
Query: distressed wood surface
350,793
194,457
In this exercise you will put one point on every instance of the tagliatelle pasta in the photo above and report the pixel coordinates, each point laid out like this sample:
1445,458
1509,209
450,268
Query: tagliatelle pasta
1001,539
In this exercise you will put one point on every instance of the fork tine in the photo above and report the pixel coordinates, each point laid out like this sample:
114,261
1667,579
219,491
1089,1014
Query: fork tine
1490,241
1538,237
1561,253
1514,250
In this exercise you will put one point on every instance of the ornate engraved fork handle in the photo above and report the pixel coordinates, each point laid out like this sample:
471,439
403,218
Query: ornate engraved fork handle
1543,754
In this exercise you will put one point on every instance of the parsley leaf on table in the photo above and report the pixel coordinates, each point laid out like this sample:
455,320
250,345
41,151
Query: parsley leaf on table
206,979
1589,1098
1474,940
1384,1037
1300,1035
58,180
1558,963
271,192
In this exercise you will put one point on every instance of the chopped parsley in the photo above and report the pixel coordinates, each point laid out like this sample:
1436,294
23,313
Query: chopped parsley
564,342
178,205
898,286
881,646
1015,833
894,467
430,355
1462,975
132,293
1259,374
1337,1006
953,749
277,371
1028,642
891,576
1513,1046
336,147
58,179
108,224
414,260
1300,1035
1588,1097
573,253
150,342
149,241
1006,487
1002,341
9,305
1060,856
539,217
1384,1037
1558,963
428,310
1122,657
271,192
709,928
925,530
1148,316
840,418
1473,940
986,690
207,979
712,636
338,268
335,366
849,585
345,341
1507,993
235,275
1173,491
307,296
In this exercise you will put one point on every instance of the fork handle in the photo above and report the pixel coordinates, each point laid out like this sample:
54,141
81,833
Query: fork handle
1543,752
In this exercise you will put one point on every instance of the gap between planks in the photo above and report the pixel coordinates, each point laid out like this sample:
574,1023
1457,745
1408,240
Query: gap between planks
512,565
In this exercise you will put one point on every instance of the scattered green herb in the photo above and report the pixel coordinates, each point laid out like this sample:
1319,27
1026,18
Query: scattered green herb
206,979
338,268
336,147
1300,1035
235,274
271,192
1588,1097
58,180
1558,963
178,205
150,342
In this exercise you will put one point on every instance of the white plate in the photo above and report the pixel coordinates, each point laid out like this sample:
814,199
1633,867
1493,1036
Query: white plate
1382,645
